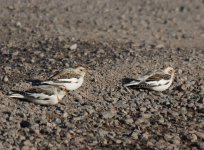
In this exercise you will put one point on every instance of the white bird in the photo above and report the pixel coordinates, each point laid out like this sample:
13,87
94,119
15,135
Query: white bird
44,95
70,78
158,81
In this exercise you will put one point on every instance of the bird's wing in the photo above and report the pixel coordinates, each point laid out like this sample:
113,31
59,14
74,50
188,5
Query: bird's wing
158,77
157,80
45,90
42,96
60,81
66,73
71,80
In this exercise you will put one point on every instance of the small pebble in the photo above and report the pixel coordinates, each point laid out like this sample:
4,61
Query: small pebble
73,47
5,79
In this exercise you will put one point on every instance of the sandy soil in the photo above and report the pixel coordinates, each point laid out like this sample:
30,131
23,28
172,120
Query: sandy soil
116,40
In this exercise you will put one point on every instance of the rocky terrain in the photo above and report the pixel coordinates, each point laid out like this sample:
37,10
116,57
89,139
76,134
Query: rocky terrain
115,40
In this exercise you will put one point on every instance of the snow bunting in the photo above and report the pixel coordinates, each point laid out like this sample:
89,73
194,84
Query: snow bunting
44,95
158,81
70,78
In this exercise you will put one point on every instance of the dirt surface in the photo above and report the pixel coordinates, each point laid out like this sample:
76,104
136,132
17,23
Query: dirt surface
115,39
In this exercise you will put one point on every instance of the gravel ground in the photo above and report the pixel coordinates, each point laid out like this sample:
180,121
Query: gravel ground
116,40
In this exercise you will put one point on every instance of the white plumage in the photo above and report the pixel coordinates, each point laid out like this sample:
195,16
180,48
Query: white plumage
70,78
158,81
44,95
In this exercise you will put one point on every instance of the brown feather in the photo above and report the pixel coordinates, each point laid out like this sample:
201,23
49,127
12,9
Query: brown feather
65,74
158,77
39,90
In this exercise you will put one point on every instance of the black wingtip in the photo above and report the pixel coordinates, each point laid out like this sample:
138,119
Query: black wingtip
34,82
127,80
15,92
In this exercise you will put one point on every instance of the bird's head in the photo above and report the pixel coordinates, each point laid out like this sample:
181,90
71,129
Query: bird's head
81,70
169,70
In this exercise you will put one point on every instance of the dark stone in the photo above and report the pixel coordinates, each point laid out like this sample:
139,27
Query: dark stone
201,110
25,124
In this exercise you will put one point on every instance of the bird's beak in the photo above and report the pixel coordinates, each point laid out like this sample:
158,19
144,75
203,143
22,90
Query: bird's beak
86,68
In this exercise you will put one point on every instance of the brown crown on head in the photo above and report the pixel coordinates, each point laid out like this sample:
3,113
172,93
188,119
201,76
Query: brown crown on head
169,70
85,67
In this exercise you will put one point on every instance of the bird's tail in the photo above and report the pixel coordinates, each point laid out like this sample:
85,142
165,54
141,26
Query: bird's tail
15,95
133,83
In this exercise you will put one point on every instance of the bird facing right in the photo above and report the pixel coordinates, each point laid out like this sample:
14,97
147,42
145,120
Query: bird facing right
158,81
71,78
